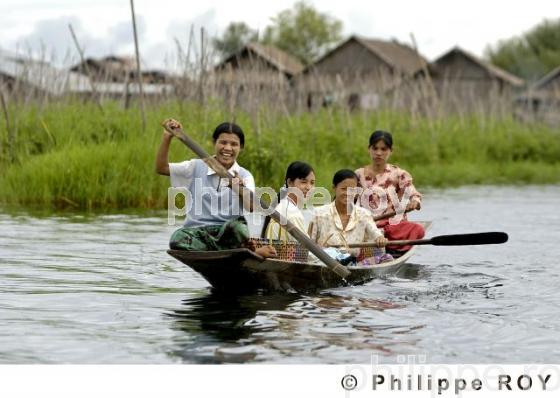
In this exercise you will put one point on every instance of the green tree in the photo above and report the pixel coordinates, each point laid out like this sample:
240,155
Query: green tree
303,32
234,38
530,55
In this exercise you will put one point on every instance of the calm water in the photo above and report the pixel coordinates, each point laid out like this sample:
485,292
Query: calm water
101,289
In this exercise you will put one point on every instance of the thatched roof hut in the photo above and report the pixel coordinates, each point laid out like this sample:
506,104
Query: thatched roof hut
460,65
360,71
255,75
117,69
360,55
550,83
464,82
542,100
263,59
24,74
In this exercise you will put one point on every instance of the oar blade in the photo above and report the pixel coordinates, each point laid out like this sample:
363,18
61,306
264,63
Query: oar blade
481,238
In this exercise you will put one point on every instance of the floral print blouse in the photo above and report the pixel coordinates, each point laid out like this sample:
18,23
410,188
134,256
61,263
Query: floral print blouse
383,192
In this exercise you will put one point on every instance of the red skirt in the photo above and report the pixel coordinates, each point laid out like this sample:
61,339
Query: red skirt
404,230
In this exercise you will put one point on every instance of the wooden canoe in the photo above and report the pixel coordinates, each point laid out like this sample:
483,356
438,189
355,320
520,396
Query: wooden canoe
243,270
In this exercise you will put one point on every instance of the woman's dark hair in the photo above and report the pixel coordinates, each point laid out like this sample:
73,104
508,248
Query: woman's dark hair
229,128
295,170
381,135
342,175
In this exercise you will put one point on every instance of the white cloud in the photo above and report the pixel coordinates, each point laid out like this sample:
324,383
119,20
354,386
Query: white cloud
104,26
53,35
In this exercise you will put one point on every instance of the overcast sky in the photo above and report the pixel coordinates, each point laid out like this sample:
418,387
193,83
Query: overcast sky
104,27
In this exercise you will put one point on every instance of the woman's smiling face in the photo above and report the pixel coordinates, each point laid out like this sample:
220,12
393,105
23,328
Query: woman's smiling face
227,148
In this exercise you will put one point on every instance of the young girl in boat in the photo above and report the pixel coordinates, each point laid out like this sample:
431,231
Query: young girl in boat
342,222
299,181
388,188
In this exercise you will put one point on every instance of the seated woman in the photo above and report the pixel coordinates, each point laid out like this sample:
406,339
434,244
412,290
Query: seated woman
342,222
299,181
388,188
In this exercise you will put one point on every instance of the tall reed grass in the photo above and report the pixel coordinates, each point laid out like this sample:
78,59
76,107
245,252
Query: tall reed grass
70,154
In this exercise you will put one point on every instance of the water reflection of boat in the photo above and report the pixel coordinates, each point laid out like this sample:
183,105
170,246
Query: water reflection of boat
215,324
243,270
227,328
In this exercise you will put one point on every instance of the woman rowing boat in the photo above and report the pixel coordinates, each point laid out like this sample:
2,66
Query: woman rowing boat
215,217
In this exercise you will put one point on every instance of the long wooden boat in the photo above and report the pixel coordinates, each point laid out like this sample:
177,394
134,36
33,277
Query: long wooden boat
243,270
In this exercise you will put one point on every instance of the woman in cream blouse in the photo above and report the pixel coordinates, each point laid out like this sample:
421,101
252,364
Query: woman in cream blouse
299,181
342,222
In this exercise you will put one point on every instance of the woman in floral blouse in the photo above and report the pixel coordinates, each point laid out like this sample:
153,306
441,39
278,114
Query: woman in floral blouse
342,222
388,188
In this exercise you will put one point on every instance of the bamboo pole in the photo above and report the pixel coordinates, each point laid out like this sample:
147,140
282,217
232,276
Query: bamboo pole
188,54
432,91
138,69
202,66
88,74
9,127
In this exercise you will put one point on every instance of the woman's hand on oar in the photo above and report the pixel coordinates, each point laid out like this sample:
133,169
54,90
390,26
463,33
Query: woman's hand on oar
414,204
170,126
267,251
391,214
381,241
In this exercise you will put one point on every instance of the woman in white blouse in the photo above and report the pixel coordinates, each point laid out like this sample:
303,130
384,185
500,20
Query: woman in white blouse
342,222
299,181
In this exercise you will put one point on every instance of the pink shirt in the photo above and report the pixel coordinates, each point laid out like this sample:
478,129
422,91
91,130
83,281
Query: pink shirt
383,192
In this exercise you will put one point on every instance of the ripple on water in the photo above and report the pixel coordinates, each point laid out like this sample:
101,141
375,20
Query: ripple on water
101,289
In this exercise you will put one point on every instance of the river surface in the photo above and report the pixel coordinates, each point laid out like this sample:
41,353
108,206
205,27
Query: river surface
98,288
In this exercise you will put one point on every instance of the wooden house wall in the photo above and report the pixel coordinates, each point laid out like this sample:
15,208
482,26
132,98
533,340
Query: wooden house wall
552,86
352,75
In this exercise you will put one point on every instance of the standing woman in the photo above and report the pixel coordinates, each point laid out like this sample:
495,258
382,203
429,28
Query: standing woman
383,185
299,181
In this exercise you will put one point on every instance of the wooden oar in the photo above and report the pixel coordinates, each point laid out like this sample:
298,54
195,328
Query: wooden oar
389,215
247,197
481,238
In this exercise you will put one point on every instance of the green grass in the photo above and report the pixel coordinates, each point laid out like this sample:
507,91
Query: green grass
72,155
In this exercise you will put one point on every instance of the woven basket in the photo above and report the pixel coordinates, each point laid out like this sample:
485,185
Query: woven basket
288,251
366,252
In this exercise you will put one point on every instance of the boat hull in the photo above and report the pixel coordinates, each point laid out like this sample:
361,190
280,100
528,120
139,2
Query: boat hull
242,270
